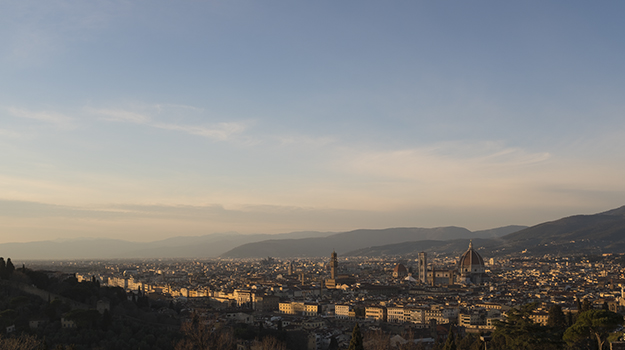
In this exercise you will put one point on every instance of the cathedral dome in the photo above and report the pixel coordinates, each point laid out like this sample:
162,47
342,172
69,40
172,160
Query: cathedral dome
471,261
400,270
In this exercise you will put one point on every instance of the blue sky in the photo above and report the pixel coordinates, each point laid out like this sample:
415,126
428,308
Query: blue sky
150,119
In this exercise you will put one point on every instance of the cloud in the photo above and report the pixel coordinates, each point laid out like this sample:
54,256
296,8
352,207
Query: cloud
219,131
289,140
165,106
57,119
117,115
10,134
444,161
37,32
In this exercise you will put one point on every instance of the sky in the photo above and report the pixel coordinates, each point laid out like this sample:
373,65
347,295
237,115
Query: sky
143,120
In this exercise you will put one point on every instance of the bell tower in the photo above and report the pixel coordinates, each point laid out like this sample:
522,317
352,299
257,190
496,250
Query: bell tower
334,265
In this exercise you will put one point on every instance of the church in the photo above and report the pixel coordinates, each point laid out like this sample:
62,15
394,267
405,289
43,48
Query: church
336,280
469,270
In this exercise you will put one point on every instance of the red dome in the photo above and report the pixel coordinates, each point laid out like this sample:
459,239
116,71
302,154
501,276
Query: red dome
400,268
470,259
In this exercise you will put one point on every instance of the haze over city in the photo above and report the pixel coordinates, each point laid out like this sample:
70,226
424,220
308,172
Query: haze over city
146,120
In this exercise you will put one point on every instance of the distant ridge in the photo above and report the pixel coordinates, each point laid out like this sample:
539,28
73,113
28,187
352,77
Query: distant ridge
591,234
598,233
206,246
358,239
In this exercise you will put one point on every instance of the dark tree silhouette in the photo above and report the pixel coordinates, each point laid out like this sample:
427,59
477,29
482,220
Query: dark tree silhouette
520,332
556,318
586,305
450,343
9,267
597,324
334,344
356,342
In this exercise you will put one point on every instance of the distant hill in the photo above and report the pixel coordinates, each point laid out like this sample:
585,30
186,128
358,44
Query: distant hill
358,239
497,232
206,246
595,234
598,233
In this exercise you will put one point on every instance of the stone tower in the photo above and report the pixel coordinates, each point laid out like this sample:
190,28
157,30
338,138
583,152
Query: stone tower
423,267
334,265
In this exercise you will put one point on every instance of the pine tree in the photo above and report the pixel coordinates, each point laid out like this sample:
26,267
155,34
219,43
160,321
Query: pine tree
586,305
3,268
107,320
9,268
593,325
356,342
450,344
334,344
556,318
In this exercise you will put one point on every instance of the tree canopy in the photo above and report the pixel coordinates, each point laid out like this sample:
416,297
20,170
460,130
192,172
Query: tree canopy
356,342
593,324
519,331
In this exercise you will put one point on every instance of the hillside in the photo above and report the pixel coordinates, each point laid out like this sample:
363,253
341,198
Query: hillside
358,239
206,246
598,233
595,234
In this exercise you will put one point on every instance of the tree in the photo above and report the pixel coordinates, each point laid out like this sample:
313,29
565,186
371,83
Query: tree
356,342
268,343
556,318
378,340
9,268
334,344
23,342
569,319
450,343
578,303
469,342
586,305
3,268
519,331
197,335
597,324
107,320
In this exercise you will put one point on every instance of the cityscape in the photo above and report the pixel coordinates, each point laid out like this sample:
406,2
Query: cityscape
320,175
409,302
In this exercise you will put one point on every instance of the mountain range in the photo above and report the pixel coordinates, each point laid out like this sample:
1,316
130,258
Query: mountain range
347,241
597,233
592,234
206,246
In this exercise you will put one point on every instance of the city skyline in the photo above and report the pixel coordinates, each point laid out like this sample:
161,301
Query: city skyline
143,121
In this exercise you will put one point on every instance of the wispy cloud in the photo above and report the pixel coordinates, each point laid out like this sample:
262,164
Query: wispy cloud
218,131
289,140
117,115
38,31
10,134
444,161
57,119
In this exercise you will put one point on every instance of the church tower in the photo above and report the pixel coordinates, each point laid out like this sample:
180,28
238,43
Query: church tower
334,265
423,268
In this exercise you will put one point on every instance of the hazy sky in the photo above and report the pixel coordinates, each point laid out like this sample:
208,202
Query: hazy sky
150,119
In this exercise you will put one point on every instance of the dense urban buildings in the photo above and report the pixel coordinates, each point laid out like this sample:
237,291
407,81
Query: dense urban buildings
322,297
